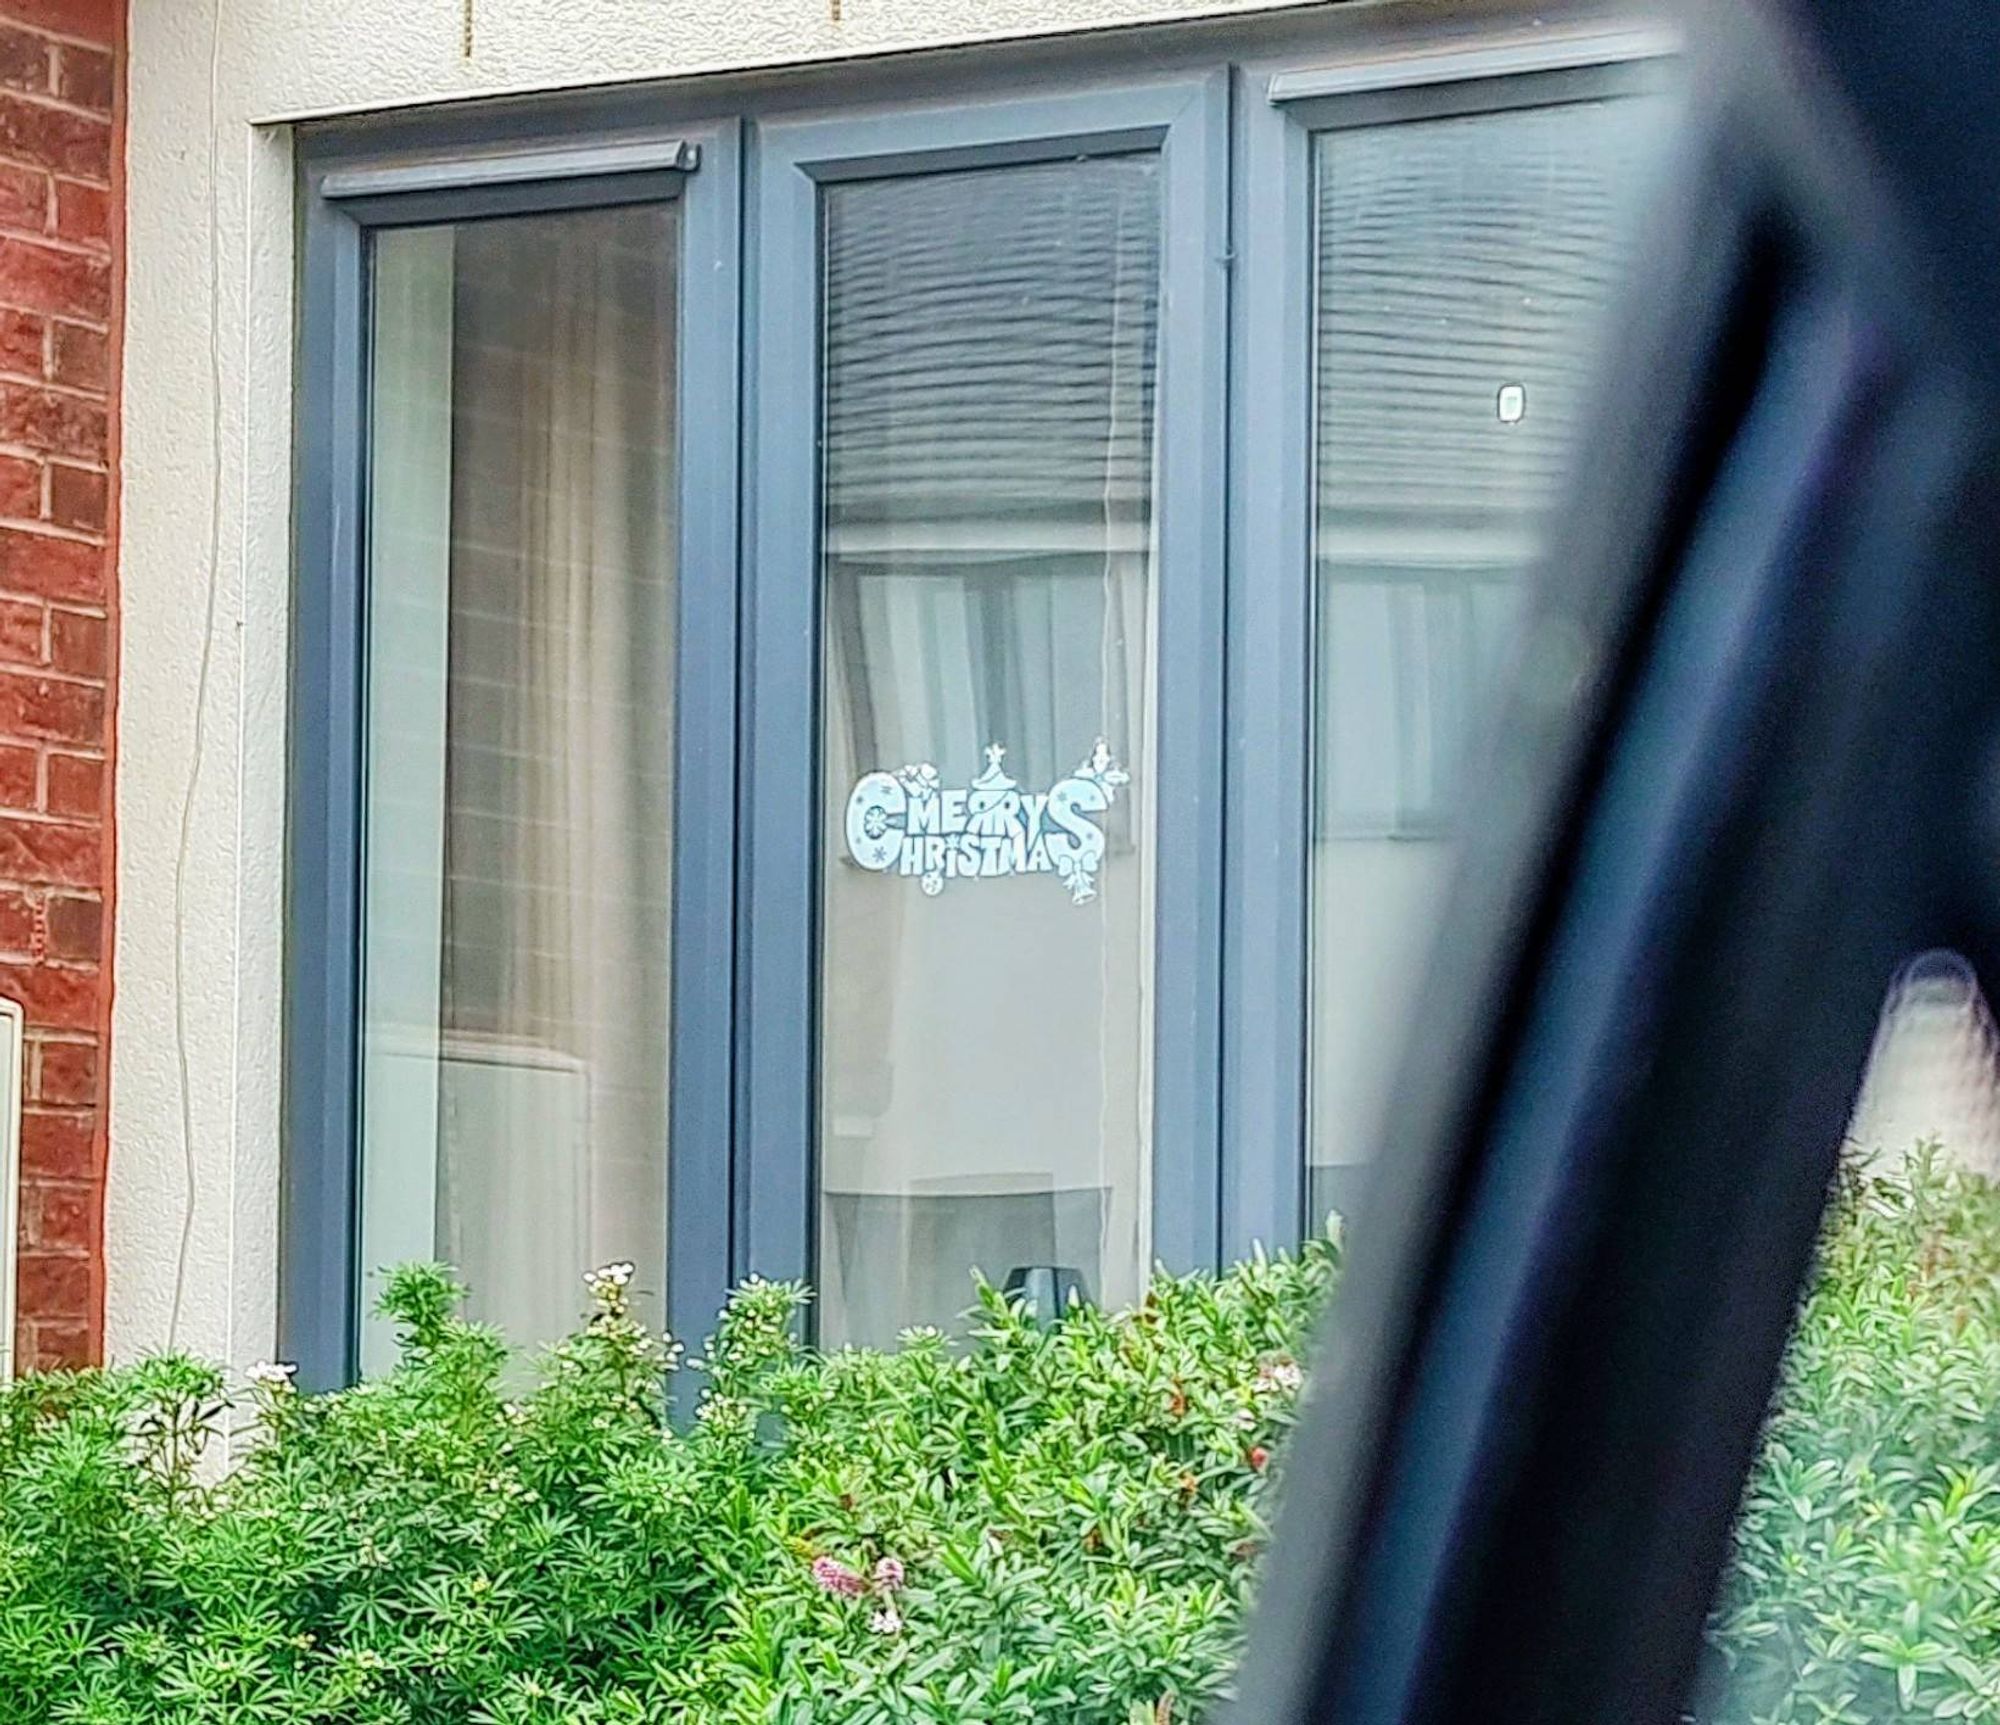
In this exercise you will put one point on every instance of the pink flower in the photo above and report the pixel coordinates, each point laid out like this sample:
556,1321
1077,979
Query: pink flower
889,1574
833,1575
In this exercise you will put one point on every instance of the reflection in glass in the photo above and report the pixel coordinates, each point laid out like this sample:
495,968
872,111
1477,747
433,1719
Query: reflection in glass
990,341
520,716
1464,265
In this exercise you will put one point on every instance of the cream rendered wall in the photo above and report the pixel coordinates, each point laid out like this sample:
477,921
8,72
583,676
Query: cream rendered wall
191,1228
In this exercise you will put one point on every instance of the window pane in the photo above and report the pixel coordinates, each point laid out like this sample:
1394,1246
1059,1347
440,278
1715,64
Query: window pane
986,1027
1464,265
519,772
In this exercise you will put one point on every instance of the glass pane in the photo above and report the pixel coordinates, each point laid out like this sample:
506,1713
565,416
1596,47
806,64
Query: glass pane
519,772
1464,265
1862,1585
986,984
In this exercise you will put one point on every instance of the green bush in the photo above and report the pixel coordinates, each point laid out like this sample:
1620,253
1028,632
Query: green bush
1045,1524
1866,1585
1040,1525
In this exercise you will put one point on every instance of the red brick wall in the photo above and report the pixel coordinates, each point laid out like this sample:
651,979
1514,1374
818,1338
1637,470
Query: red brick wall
61,149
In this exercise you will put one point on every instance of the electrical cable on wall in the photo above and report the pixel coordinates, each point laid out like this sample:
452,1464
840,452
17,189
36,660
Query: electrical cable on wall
199,743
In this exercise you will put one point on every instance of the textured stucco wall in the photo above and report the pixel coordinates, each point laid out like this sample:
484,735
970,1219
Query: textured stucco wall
340,55
192,1197
191,1223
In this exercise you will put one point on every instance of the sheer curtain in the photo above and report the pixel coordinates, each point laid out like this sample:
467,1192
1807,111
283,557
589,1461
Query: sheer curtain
548,906
556,929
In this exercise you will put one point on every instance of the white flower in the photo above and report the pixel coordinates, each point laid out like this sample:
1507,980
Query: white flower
273,1375
722,1409
887,1621
1282,1376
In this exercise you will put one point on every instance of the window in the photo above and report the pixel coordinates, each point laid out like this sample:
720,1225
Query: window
872,620
981,620
1464,265
517,834
991,341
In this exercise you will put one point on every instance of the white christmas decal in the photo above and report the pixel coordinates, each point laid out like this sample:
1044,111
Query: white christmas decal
908,823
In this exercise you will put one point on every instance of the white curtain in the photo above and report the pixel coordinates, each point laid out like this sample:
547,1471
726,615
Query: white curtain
553,1105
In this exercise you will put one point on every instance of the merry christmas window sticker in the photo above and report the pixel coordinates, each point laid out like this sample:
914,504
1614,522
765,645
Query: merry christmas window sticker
910,823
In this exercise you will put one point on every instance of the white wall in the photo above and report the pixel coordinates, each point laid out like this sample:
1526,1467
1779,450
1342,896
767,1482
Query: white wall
191,1229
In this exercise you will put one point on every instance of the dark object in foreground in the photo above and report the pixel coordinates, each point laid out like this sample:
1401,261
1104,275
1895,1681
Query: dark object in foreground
1749,767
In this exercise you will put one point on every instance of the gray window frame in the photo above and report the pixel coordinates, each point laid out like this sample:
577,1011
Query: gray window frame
1270,794
1185,122
351,188
1230,104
